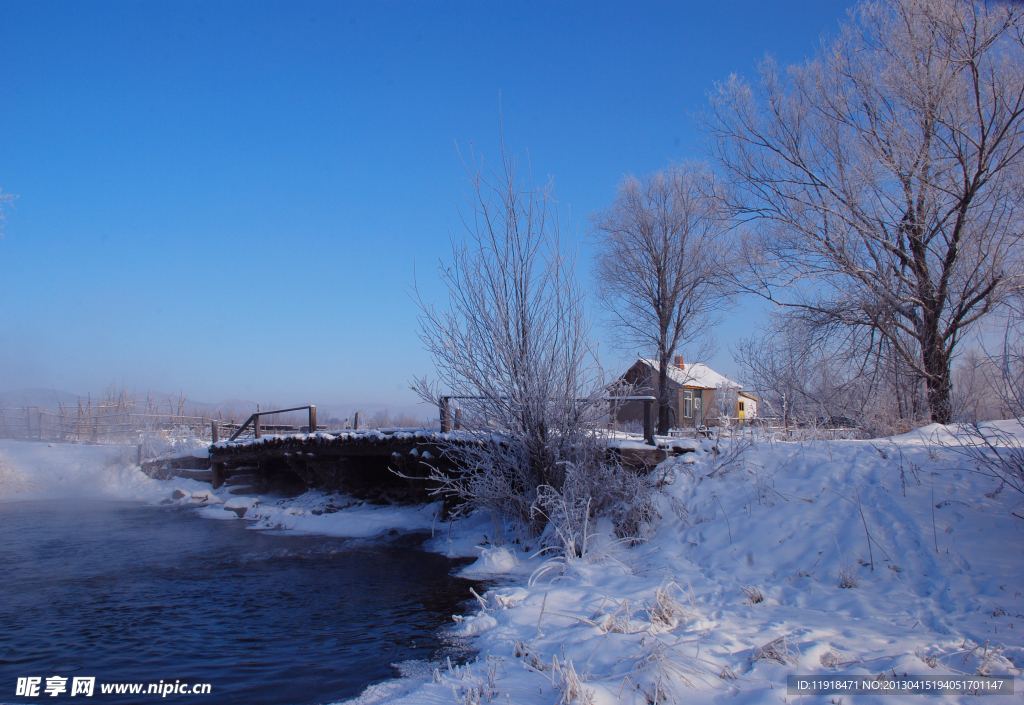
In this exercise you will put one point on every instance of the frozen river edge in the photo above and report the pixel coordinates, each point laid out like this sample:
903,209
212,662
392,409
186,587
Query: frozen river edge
737,586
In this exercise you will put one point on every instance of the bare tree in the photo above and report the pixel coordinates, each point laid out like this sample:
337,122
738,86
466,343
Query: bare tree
996,450
811,375
884,175
977,388
513,347
661,259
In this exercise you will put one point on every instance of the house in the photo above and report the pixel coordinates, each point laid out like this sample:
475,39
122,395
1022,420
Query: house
700,396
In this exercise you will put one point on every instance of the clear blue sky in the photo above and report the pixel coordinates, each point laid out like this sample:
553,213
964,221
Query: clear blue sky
228,198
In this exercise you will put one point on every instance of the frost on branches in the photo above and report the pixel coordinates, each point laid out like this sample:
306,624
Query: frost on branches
513,351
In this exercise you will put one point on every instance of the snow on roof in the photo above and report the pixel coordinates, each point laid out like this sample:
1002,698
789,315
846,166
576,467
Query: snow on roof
695,374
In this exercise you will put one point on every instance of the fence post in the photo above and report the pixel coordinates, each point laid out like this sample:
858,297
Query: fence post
442,406
458,418
648,423
40,414
256,426
355,422
312,419
214,431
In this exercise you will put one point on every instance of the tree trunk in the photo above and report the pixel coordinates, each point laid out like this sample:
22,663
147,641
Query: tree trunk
940,403
936,361
664,402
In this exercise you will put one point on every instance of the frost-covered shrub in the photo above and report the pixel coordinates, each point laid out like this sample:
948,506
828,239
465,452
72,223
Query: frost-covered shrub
513,353
604,489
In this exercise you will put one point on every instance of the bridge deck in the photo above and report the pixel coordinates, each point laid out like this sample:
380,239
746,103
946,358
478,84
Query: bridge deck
365,464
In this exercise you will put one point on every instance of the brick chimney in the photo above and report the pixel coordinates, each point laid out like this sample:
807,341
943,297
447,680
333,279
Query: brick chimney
679,361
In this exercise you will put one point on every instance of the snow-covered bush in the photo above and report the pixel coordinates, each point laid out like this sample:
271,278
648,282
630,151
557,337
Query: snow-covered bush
513,353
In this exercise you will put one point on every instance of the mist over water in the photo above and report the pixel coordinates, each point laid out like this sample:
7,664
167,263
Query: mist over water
133,593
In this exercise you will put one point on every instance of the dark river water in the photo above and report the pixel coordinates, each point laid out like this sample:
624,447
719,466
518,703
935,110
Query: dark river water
128,593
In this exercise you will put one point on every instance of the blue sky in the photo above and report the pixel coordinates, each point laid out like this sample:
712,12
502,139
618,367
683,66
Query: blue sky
229,198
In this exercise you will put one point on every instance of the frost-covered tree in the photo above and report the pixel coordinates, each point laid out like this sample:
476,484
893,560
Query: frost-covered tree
811,375
978,388
513,349
661,258
883,176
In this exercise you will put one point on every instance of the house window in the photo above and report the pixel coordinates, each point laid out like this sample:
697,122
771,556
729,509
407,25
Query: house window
687,404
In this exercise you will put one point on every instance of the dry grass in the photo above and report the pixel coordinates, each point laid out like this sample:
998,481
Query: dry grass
619,621
847,575
664,614
754,595
570,684
777,651
831,658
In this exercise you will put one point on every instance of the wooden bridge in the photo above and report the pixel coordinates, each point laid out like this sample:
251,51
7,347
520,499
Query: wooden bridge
356,462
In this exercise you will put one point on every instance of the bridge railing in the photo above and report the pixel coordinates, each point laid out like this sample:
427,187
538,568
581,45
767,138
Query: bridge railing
444,406
254,420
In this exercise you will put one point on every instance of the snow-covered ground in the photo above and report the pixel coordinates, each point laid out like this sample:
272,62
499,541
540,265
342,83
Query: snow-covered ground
740,583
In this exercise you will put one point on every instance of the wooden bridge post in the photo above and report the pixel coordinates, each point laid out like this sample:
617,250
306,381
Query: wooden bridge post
442,406
458,418
217,474
214,431
312,419
256,426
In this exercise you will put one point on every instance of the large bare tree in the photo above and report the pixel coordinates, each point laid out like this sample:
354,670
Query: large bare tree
884,175
661,258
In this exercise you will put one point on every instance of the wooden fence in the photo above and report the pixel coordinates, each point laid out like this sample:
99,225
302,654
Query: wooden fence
95,424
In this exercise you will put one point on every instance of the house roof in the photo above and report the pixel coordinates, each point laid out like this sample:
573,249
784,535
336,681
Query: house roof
695,374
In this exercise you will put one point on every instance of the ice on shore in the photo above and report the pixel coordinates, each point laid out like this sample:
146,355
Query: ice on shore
759,566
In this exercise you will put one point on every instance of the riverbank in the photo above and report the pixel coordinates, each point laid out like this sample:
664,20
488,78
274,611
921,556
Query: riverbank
759,566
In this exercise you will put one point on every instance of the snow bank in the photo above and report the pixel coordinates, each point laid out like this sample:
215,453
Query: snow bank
326,515
742,583
41,471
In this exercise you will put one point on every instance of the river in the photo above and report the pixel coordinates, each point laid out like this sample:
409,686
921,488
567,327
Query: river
129,593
